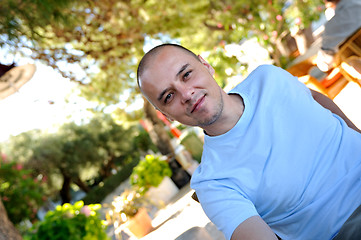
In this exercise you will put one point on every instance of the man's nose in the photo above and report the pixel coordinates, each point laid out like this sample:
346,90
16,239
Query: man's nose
186,94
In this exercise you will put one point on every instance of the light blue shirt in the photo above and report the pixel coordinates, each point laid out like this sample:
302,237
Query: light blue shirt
288,160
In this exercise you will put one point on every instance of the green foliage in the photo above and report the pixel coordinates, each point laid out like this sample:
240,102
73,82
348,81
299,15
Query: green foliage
23,144
28,17
108,38
21,194
143,143
270,21
97,194
85,154
149,173
71,222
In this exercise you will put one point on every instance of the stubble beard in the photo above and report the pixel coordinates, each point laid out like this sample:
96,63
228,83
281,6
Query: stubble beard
218,109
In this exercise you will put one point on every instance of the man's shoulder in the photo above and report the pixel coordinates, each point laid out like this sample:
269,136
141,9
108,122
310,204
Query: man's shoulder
263,71
258,76
263,68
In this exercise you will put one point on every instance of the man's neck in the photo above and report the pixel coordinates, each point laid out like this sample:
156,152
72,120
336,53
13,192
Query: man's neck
232,112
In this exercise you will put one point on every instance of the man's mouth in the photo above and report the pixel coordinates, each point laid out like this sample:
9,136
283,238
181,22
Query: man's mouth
197,104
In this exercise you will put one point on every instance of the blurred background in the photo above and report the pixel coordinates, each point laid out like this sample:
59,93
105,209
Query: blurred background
76,135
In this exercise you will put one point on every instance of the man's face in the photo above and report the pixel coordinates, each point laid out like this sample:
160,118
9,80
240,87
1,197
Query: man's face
182,87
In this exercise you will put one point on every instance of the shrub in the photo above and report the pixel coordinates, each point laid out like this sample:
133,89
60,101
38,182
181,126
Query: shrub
97,194
149,173
21,194
71,222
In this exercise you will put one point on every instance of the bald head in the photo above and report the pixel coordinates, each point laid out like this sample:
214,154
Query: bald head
149,56
180,85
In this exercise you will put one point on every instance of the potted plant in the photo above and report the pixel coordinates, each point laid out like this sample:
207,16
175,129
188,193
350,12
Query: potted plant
128,212
152,177
150,172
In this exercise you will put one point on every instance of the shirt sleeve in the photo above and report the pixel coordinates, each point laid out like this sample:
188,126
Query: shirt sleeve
225,207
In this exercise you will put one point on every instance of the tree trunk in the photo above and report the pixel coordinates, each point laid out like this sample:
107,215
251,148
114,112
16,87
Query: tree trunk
7,229
65,189
106,169
81,185
157,132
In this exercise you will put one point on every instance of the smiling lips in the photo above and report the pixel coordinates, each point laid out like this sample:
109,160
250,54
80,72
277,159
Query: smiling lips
197,105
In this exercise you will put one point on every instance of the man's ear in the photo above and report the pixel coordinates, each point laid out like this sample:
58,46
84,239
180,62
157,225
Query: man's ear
207,65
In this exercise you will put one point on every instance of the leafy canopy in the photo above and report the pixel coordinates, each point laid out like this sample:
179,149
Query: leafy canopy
109,36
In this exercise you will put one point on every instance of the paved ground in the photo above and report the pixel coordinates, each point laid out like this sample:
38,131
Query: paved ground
183,219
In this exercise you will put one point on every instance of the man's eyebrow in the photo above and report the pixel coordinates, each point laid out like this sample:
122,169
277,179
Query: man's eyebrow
182,69
178,73
162,93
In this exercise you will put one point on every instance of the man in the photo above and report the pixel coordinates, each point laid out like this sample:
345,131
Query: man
274,160
346,21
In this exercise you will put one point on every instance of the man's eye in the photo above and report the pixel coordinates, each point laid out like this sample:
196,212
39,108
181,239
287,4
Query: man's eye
168,97
186,75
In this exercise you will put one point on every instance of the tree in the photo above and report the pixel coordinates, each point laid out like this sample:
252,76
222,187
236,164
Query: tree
22,194
83,155
270,21
19,19
109,36
7,229
106,38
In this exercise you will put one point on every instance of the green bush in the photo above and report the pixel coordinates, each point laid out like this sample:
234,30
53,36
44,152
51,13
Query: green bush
150,172
21,194
97,194
70,222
